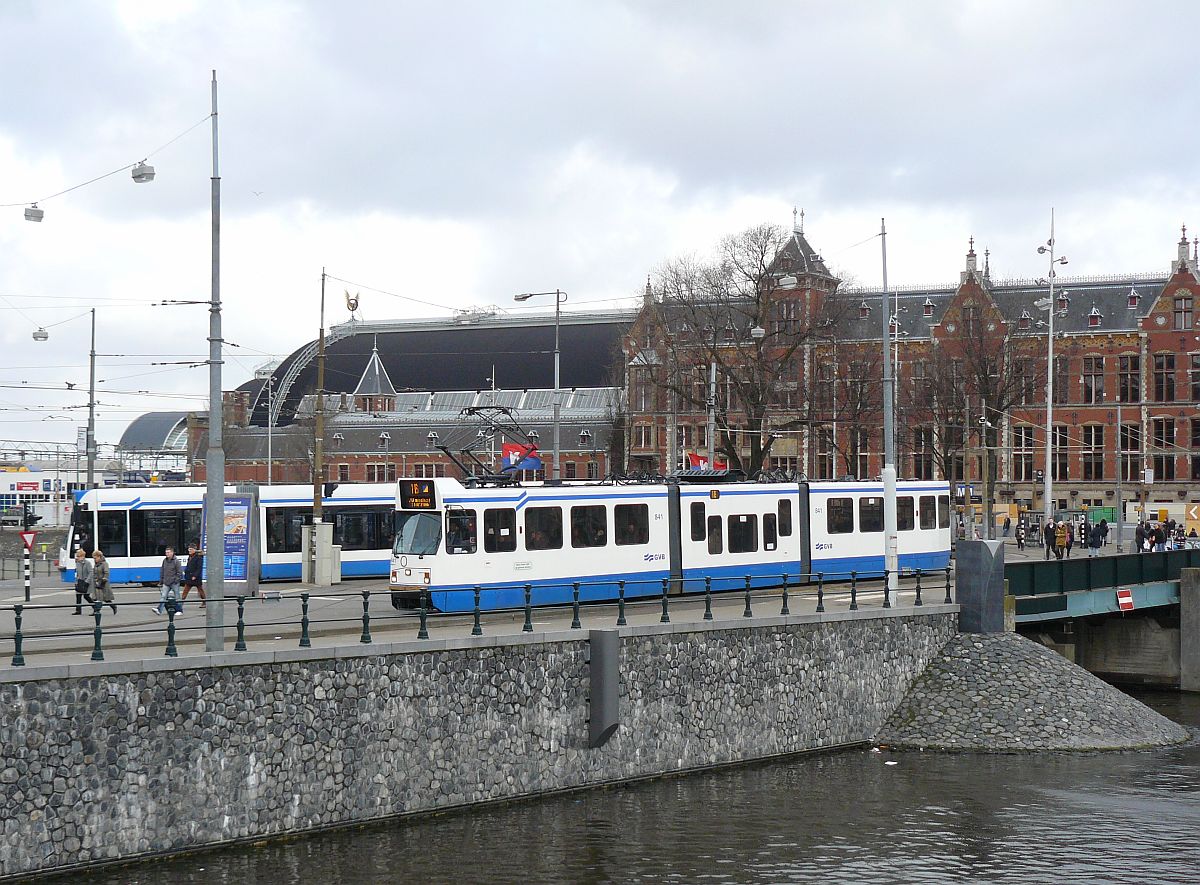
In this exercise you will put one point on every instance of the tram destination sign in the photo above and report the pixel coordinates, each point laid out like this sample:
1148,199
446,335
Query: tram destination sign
417,494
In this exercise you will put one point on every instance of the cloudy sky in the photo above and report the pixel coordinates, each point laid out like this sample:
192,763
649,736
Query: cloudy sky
456,154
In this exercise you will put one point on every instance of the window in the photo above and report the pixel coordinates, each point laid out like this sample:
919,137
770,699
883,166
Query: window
743,533
382,472
715,544
112,535
970,321
1093,379
1195,379
825,453
870,514
1183,312
593,470
424,471
683,435
840,516
284,528
152,531
1060,440
905,515
643,436
928,512
785,517
699,533
770,532
1162,436
343,473
500,530
461,535
1022,454
1062,379
1164,377
543,528
1129,384
1131,441
923,453
943,511
632,524
643,391
589,526
1164,467
1093,451
569,470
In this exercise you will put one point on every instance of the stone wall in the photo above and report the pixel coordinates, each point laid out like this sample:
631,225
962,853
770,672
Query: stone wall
112,761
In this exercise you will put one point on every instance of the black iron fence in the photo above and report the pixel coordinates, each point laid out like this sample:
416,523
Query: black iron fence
829,589
1097,572
15,567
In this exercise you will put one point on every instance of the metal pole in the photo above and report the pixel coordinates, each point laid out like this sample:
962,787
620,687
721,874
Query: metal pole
557,474
319,440
270,406
1047,481
214,548
28,579
891,558
91,427
712,414
1120,467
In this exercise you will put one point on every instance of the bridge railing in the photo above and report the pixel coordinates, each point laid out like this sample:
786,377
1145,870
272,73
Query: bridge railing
654,597
1097,572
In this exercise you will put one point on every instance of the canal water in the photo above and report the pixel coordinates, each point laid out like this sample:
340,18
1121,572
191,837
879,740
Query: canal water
846,817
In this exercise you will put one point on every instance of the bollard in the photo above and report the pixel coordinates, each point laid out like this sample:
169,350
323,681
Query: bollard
240,643
476,627
820,591
853,591
918,600
887,600
784,610
423,629
305,642
666,618
366,633
527,627
18,658
948,599
97,651
575,625
172,652
620,603
708,598
747,613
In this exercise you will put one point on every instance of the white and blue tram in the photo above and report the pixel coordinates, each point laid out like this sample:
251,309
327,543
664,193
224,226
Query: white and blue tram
134,525
452,538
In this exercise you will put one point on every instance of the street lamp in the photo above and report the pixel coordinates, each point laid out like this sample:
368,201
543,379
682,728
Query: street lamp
42,335
1048,305
559,298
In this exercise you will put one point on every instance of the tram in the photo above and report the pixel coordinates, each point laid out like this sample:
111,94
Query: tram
452,538
134,525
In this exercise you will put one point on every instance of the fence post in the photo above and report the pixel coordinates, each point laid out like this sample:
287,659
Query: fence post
918,601
240,643
708,598
747,613
784,610
423,628
18,658
575,625
366,631
171,652
305,642
820,591
887,598
666,618
28,582
527,627
621,603
853,591
97,651
476,627
948,599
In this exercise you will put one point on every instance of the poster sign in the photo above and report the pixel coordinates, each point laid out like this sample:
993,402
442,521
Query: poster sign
237,537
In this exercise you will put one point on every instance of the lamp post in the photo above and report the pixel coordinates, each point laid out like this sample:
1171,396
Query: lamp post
1048,479
90,440
891,553
559,298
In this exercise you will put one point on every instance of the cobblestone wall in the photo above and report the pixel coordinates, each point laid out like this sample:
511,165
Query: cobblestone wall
121,764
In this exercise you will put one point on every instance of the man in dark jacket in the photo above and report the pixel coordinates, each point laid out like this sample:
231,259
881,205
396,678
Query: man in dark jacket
1048,536
192,572
1139,537
170,573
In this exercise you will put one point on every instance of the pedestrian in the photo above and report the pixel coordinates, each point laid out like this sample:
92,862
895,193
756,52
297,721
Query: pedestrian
1160,538
1020,536
1007,526
192,574
1069,531
100,580
83,579
1104,533
1094,540
1139,537
1049,535
170,573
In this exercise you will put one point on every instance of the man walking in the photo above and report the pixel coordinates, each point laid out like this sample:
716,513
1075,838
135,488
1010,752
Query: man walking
1048,536
192,572
170,573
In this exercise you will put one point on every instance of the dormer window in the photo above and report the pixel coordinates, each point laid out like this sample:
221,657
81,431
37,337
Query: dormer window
1094,317
1133,299
384,439
927,307
1024,321
1063,301
864,310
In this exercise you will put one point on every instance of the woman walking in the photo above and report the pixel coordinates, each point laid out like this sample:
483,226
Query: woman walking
100,581
83,580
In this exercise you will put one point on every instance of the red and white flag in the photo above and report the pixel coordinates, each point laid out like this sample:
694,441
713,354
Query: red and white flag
696,461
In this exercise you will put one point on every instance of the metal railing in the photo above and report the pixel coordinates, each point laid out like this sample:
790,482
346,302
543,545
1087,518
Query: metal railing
654,596
1097,572
14,567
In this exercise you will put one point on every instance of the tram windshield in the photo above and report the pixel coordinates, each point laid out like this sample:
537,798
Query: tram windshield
417,534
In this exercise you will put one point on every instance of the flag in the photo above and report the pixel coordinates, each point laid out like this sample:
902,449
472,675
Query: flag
696,461
515,456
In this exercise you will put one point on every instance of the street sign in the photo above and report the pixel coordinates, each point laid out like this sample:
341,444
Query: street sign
27,539
1149,476
1125,600
1193,511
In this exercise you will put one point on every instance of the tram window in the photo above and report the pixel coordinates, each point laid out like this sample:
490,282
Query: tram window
351,530
785,517
589,526
770,533
543,528
928,512
906,515
193,521
461,536
715,545
113,534
631,522
284,528
697,520
743,533
943,511
151,531
500,530
839,513
870,514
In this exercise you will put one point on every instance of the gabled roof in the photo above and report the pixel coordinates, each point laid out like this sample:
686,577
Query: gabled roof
375,380
798,257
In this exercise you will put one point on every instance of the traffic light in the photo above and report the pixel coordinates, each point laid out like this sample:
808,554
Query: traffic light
28,517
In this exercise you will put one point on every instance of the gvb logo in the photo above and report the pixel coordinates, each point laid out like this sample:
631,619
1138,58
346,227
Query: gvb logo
654,557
